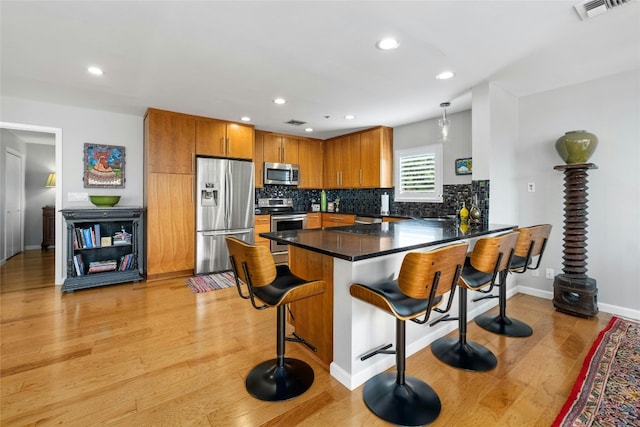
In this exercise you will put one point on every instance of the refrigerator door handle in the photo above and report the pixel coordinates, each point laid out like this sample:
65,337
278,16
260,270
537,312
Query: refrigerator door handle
225,232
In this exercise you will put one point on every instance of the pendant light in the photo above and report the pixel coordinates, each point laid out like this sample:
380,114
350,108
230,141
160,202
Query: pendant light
444,122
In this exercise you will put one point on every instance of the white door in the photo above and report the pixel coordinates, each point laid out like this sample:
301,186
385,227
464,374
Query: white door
13,202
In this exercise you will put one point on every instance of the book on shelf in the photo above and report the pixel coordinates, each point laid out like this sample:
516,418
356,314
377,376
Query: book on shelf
125,262
79,265
101,266
96,236
88,239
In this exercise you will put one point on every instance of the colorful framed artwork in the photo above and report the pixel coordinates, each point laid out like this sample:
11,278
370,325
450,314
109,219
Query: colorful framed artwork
464,166
103,166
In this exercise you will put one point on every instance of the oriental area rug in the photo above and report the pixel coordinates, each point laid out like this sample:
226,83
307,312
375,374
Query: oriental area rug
607,391
211,282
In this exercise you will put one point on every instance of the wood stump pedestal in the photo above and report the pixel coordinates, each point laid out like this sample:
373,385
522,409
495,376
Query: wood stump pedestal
574,292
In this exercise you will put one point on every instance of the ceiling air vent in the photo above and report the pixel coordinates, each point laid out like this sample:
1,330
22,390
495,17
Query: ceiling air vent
295,122
589,8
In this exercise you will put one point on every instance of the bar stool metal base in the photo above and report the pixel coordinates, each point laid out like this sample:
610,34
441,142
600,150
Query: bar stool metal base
413,403
504,326
469,355
270,382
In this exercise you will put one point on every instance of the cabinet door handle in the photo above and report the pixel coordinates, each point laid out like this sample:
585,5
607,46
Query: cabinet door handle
360,176
228,145
222,145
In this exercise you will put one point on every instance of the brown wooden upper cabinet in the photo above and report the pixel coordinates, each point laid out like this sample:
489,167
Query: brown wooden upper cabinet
360,160
169,142
280,148
225,139
310,154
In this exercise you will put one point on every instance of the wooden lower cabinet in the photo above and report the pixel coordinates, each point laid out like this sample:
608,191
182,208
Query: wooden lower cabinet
170,225
313,316
337,220
262,224
314,220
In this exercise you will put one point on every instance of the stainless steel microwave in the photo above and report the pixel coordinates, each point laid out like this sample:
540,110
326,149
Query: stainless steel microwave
280,173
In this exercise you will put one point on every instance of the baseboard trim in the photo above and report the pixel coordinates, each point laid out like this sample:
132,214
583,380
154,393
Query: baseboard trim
607,308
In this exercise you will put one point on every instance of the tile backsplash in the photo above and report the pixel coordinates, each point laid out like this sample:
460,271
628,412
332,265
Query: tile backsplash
368,200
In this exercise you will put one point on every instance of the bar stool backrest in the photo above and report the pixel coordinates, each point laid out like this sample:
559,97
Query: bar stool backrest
488,250
538,234
418,270
255,260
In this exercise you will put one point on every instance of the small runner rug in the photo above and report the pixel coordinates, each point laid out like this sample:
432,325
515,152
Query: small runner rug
211,282
607,391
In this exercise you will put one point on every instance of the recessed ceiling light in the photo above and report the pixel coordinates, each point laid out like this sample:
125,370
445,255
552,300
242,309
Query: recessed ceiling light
445,75
349,117
95,71
279,101
245,118
388,43
308,130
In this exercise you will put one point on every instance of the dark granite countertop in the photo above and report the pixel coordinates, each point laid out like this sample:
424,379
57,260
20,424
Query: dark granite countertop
363,241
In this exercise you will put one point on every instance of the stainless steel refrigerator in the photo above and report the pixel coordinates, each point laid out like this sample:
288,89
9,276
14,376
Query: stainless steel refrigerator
224,207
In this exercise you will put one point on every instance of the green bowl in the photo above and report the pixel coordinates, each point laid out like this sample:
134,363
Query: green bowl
104,201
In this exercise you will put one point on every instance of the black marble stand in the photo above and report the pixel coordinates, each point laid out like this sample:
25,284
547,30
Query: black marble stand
574,292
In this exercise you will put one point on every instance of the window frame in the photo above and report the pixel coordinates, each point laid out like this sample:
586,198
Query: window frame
435,196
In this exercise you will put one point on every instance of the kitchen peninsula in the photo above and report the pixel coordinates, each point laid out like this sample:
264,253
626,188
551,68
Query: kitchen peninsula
342,328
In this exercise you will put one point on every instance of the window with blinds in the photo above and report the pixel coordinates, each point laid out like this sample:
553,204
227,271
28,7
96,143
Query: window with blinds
419,174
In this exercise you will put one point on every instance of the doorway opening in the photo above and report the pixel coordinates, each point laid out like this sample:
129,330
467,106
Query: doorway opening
56,134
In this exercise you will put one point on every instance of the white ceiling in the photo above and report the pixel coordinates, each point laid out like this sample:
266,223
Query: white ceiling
226,59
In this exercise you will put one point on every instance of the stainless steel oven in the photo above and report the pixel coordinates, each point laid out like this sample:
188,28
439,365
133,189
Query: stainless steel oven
283,222
283,218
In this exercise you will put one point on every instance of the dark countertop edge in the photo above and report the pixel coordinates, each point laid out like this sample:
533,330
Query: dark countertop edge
501,228
368,215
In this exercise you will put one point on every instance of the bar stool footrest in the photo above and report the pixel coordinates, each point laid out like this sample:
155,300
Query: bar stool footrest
469,356
273,383
413,403
504,326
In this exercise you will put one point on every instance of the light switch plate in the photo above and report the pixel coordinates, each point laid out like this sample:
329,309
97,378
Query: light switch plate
531,187
77,197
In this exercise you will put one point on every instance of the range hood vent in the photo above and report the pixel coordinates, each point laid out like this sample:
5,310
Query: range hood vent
295,122
590,8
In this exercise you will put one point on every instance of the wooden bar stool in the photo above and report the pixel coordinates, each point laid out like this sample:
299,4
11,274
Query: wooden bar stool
531,243
281,378
490,256
424,277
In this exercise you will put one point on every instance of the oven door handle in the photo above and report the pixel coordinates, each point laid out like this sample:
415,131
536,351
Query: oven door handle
287,217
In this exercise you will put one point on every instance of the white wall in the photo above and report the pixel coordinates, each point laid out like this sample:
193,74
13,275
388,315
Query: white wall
495,135
610,108
80,125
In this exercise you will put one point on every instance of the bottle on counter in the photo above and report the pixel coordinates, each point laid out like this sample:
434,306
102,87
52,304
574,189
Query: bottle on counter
323,201
474,213
464,213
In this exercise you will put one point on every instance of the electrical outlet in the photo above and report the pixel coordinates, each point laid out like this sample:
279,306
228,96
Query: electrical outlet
535,273
531,187
549,273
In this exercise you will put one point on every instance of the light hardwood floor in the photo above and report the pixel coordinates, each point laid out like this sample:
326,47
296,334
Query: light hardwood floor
157,354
